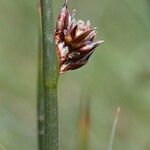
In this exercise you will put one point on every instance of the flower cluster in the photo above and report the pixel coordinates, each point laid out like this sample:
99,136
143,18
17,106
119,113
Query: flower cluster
74,40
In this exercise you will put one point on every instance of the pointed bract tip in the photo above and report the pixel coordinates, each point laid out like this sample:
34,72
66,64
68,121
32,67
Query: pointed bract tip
100,42
65,3
74,11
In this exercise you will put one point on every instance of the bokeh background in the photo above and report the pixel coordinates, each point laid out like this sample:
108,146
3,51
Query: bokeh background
118,74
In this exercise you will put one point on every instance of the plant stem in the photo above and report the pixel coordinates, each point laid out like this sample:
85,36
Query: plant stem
41,125
50,77
40,103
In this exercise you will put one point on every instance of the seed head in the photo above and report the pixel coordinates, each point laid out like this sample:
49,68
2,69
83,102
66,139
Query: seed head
74,40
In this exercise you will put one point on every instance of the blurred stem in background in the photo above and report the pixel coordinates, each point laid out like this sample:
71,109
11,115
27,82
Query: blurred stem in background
50,76
84,125
40,103
2,147
113,132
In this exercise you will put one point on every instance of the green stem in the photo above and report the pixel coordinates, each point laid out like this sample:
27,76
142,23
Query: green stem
40,103
50,77
41,126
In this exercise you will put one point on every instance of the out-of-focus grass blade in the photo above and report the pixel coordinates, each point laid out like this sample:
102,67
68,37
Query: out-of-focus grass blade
2,147
112,136
84,125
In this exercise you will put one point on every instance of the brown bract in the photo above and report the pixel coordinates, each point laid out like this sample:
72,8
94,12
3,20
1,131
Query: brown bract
74,40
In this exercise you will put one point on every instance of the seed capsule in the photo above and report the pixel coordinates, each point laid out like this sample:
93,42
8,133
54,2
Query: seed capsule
74,40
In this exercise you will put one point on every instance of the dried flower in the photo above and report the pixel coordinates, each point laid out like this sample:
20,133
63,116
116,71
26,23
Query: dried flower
74,40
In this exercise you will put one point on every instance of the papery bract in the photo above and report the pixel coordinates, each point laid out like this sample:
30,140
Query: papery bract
74,40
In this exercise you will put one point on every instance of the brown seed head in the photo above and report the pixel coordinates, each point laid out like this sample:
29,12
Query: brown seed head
74,40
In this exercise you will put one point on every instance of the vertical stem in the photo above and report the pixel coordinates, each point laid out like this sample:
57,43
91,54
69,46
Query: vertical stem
40,103
41,125
50,77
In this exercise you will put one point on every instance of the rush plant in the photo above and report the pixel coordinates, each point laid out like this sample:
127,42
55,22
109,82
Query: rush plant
67,46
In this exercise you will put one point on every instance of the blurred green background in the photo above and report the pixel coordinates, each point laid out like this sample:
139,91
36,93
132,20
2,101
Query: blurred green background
118,74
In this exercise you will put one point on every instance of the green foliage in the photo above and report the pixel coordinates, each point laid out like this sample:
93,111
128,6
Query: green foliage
117,74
